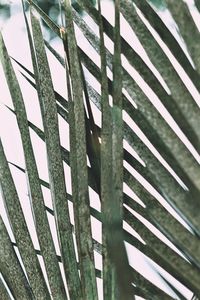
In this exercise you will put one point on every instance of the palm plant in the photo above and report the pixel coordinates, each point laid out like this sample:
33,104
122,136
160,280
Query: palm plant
158,162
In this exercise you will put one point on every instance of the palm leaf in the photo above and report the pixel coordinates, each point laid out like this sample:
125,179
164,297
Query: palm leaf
167,181
37,200
79,163
56,173
14,276
20,230
110,276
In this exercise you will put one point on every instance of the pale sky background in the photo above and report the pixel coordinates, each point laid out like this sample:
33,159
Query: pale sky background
17,44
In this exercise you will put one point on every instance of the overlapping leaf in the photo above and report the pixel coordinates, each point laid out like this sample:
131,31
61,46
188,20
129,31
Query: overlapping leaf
84,135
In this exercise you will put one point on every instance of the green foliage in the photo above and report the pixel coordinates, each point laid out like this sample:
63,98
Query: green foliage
159,4
107,169
4,10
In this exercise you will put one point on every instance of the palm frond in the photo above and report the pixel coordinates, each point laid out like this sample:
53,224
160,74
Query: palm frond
164,174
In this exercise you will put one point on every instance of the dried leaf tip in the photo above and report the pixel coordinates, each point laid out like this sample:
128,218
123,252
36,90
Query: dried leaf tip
62,32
